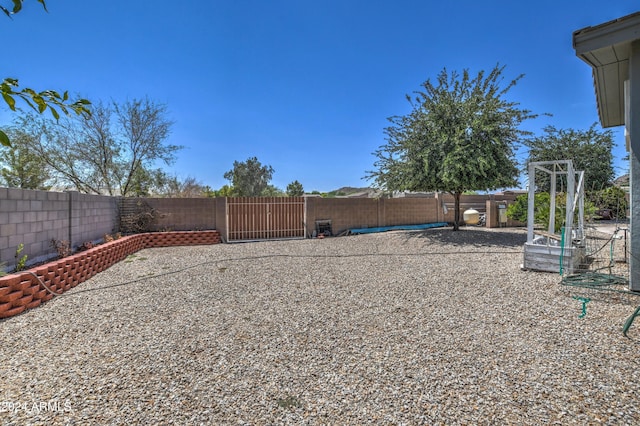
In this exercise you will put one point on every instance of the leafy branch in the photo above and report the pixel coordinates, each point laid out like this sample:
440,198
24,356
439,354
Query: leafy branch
17,7
39,101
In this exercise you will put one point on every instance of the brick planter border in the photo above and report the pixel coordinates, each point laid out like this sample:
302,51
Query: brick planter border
21,291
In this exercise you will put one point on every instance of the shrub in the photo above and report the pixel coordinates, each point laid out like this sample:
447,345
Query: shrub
85,246
519,209
62,247
612,198
541,209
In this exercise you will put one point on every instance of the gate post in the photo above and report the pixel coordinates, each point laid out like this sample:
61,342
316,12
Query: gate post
304,217
225,209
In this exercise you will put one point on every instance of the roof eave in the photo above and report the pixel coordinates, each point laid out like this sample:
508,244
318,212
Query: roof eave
621,30
604,48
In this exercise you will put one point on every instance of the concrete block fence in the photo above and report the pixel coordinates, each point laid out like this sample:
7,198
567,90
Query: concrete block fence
33,218
22,291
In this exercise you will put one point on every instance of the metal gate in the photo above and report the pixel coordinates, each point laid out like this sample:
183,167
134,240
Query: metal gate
265,218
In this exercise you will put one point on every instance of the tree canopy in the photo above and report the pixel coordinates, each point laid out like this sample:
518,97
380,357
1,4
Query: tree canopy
250,178
295,189
189,187
20,167
113,151
38,101
590,150
460,135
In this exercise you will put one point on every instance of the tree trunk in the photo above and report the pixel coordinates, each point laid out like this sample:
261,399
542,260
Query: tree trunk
456,212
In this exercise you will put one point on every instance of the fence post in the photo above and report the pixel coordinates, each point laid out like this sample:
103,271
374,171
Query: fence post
70,216
304,217
226,215
117,217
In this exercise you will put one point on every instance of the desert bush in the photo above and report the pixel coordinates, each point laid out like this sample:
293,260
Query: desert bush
62,247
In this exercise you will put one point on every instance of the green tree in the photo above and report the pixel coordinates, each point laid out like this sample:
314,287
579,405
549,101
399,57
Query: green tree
224,191
295,189
189,187
112,151
460,135
249,178
20,167
39,101
273,191
590,150
147,182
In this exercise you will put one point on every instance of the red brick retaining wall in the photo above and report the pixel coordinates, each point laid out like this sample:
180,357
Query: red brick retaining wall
21,291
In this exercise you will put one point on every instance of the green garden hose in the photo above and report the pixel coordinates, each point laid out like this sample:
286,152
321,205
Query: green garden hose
584,301
629,321
562,251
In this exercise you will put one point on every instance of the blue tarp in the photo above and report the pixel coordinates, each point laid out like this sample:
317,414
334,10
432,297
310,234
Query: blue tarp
398,227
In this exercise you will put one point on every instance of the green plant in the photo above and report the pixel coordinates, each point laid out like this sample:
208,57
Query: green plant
21,261
612,198
3,269
519,209
542,206
62,247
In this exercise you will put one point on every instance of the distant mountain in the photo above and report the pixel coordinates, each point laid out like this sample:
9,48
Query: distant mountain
347,190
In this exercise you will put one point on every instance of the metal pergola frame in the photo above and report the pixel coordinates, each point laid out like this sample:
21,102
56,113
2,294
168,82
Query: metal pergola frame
550,252
575,197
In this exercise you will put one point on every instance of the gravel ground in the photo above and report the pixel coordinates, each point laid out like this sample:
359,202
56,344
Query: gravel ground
430,327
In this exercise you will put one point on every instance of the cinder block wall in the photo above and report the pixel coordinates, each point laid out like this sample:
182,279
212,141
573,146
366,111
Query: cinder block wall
492,213
344,213
477,202
92,216
347,213
410,211
31,218
34,218
175,214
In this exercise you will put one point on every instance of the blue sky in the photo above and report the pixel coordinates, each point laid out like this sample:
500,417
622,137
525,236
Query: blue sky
304,86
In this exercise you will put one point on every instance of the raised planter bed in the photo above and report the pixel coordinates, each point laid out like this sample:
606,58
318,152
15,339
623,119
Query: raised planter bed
21,291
